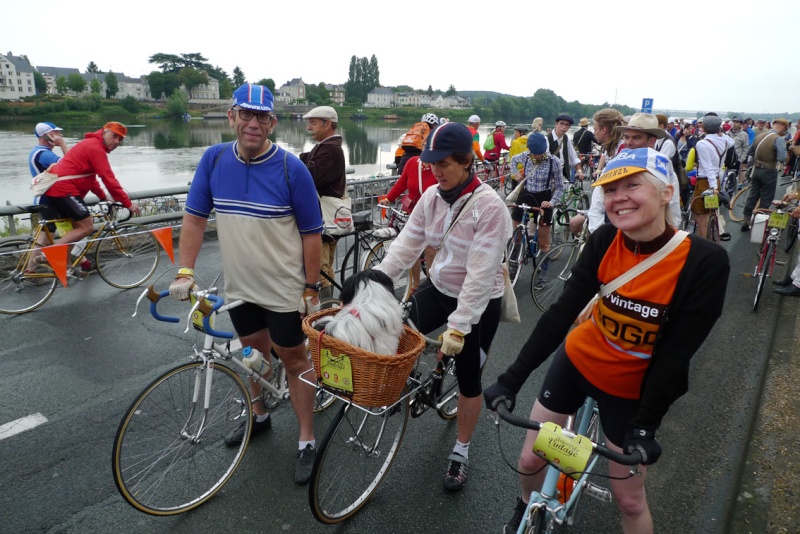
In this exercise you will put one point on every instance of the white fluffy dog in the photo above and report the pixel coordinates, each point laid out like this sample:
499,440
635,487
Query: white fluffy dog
371,317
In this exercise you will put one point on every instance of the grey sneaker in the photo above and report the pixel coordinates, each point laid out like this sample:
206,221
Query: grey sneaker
456,476
304,465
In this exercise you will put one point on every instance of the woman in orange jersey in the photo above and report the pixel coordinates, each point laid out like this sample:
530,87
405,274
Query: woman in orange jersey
632,356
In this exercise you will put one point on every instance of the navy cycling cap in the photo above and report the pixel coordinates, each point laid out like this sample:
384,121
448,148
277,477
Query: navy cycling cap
446,139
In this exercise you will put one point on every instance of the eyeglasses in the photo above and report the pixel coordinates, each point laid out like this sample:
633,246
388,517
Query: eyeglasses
246,115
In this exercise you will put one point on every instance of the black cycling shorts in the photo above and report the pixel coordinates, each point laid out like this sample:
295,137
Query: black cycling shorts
285,328
64,208
564,389
437,308
534,199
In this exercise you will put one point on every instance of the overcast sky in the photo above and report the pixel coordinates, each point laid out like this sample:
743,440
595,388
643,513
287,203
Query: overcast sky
686,55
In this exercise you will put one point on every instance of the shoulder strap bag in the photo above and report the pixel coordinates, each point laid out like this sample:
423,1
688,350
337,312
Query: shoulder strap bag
630,274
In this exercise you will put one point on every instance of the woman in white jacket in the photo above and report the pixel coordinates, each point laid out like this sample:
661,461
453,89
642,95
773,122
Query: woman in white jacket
468,224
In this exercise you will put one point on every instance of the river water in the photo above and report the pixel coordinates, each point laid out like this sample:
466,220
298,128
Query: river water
164,153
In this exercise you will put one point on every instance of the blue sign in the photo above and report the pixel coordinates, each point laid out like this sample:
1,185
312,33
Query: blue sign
647,105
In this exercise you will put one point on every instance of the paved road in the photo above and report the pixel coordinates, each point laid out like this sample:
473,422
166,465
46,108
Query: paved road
81,359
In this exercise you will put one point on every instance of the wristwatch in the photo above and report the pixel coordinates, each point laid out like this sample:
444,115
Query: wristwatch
316,287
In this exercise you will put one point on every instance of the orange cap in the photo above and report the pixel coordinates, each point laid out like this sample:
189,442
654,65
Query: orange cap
116,127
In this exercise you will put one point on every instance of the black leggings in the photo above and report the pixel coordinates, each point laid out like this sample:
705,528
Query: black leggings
430,310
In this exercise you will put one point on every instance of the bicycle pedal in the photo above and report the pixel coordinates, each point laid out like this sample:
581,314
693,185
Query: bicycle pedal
598,492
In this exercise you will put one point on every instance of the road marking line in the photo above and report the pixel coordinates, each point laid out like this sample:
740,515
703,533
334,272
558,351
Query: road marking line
21,425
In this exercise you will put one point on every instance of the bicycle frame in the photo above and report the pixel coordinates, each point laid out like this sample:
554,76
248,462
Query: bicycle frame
105,226
212,352
547,499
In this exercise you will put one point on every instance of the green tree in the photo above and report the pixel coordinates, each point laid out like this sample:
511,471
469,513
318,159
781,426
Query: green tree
95,86
92,68
130,104
177,104
61,85
269,82
225,88
363,77
192,78
112,85
429,91
40,83
318,94
238,77
75,82
451,91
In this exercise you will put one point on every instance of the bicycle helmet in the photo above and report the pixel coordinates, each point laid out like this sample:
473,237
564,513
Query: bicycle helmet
500,123
473,119
431,119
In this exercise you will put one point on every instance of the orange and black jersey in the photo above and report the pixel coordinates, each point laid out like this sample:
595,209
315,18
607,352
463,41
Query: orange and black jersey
641,337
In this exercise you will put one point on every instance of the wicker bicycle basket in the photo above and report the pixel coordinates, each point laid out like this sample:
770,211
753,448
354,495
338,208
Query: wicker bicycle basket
796,150
378,380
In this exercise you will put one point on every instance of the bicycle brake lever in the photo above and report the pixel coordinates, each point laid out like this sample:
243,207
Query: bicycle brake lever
143,295
189,317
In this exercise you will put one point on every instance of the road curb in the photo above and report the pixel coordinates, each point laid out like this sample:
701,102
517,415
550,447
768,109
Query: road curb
764,496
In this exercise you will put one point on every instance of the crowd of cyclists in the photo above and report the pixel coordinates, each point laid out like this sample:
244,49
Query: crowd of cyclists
634,364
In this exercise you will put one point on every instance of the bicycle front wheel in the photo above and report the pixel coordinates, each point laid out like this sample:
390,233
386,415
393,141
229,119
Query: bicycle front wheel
537,522
448,398
21,293
516,254
169,453
764,265
127,256
552,272
791,234
355,455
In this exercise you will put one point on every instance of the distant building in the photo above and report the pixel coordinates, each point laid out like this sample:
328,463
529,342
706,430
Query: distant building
409,99
291,91
450,102
336,93
51,74
16,77
381,97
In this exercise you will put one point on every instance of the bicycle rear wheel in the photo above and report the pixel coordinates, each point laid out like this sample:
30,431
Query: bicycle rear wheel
403,286
550,275
713,227
516,254
127,256
355,455
21,293
161,465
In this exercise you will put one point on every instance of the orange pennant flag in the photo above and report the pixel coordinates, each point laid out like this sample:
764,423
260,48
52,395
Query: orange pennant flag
164,237
57,258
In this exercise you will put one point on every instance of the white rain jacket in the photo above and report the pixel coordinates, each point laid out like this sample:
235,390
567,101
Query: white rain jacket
468,266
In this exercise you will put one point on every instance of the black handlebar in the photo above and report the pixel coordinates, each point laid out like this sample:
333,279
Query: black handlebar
522,422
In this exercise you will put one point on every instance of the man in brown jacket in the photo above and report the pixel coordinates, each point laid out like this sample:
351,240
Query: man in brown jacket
325,162
767,152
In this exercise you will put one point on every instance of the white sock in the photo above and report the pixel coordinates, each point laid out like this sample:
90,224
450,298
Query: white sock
262,418
303,444
462,449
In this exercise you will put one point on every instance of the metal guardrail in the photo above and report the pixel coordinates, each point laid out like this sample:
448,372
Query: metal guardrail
170,207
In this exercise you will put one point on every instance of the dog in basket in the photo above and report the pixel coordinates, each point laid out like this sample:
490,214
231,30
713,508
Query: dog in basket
371,317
